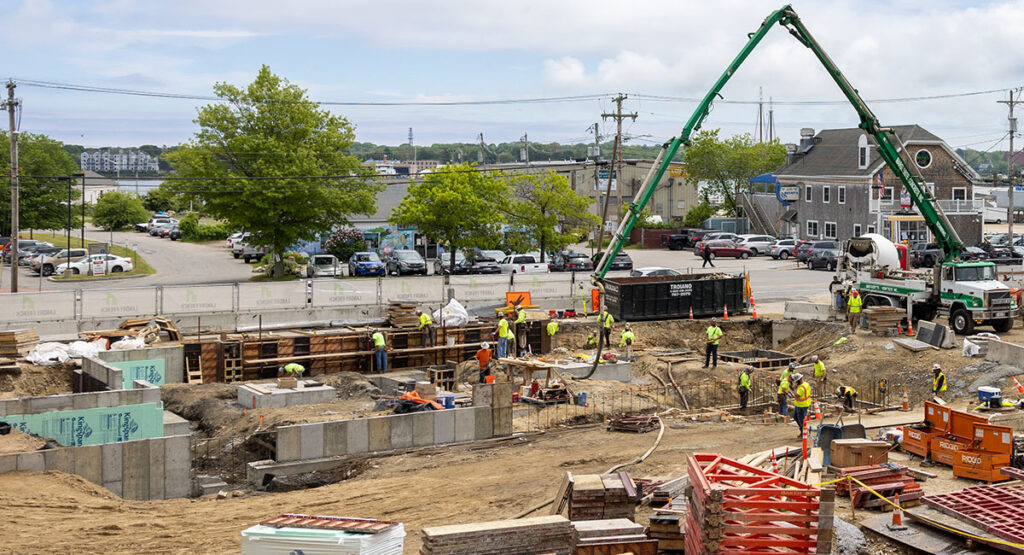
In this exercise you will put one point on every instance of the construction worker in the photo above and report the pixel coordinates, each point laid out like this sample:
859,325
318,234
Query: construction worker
706,255
711,351
520,330
292,370
744,388
627,341
483,358
801,401
848,395
939,381
606,322
427,328
380,353
820,375
853,305
836,288
511,337
591,340
783,393
552,328
503,337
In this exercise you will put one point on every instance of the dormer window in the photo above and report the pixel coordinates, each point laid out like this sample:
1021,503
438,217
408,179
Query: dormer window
863,153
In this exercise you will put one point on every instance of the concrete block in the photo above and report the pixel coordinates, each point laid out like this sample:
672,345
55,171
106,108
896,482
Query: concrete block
501,421
150,394
84,401
357,436
113,462
444,426
89,463
131,396
135,479
8,463
1004,352
503,394
379,432
483,422
64,460
465,424
156,468
175,425
177,466
335,438
288,443
401,431
14,406
311,441
31,461
108,399
807,311
423,428
483,395
39,405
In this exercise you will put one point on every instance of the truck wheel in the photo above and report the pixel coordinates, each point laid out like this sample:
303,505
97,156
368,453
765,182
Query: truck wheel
784,255
1003,325
246,259
236,255
961,322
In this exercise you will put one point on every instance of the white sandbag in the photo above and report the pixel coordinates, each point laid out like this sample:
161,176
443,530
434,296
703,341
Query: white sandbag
48,354
128,344
970,349
452,314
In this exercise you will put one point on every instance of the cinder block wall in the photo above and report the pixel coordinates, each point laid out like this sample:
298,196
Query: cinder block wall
174,359
102,372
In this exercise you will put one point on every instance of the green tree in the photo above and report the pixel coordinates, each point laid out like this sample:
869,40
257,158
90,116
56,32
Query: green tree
167,197
727,166
549,213
696,215
115,210
256,152
42,198
457,205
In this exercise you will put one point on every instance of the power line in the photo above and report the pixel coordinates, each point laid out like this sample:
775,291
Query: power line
662,98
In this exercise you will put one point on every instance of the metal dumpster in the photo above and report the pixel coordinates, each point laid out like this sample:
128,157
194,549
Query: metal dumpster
667,297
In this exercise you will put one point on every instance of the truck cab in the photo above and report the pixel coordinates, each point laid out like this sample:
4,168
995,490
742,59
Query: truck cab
971,293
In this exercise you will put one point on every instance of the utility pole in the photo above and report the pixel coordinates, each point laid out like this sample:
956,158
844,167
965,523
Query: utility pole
1012,121
480,153
771,120
617,154
11,106
525,154
760,115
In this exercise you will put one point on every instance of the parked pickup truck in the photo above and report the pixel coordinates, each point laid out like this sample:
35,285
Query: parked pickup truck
924,255
675,241
523,264
252,252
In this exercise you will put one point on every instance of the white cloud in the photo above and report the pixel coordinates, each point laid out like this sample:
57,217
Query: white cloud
565,73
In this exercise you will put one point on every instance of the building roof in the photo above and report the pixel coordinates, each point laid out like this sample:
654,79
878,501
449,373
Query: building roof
834,152
95,181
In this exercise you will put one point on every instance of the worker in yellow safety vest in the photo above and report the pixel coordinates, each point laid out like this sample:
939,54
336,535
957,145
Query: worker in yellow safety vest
801,400
820,375
292,370
783,393
503,337
744,388
711,351
606,322
591,341
380,353
552,328
627,341
519,325
848,395
939,381
853,310
426,327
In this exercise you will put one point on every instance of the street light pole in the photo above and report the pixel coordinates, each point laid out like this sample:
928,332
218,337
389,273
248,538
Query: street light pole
68,251
82,175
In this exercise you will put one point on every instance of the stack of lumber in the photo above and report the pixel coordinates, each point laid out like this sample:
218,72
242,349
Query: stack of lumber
886,479
667,491
618,535
883,319
147,329
789,462
636,424
17,343
9,366
402,314
542,534
596,497
668,525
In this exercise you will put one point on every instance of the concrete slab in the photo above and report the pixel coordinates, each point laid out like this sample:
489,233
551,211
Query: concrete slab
177,466
89,463
423,428
617,371
8,463
135,478
465,424
269,395
1005,353
357,436
483,422
288,443
401,431
379,433
501,421
156,468
807,311
64,460
311,441
84,401
444,426
31,461
113,462
335,438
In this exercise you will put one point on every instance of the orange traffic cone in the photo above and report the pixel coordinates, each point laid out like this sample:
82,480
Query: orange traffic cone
725,308
804,439
691,313
753,306
775,464
906,401
817,411
1020,388
897,516
899,328
910,328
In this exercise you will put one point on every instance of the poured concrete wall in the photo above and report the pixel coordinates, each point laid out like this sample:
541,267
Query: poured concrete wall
144,392
808,311
174,360
158,468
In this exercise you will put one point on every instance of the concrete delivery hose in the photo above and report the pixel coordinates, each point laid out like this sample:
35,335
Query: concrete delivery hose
600,342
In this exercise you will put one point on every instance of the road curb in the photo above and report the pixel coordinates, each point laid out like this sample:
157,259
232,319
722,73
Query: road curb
102,278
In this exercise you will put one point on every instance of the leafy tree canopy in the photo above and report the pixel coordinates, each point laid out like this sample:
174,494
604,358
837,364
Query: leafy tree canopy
115,210
549,215
41,200
727,165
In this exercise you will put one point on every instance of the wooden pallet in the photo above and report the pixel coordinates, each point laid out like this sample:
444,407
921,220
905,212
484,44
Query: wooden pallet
194,372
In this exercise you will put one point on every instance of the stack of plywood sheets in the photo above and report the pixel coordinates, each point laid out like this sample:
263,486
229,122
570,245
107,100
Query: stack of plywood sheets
596,497
17,343
545,534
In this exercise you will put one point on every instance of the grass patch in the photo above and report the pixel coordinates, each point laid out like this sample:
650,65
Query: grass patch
140,266
288,277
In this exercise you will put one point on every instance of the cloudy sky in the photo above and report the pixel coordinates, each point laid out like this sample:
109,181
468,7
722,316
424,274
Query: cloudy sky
471,50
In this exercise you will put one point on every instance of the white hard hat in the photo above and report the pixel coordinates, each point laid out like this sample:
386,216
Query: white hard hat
839,390
814,358
792,364
626,326
797,377
485,345
936,366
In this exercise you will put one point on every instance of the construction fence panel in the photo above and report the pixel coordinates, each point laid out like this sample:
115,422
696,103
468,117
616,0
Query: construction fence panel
419,289
30,307
479,288
119,303
345,292
266,296
544,286
197,298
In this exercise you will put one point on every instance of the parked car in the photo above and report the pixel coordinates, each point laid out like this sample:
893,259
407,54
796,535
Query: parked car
622,261
324,265
26,253
824,258
974,254
442,266
477,265
758,244
406,261
160,220
175,234
143,227
493,254
1004,255
46,263
366,263
523,264
114,264
155,230
783,248
713,236
26,258
570,262
924,254
806,250
653,271
252,252
165,231
729,249
22,245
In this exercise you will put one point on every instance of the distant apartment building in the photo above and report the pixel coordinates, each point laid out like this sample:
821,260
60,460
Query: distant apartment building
391,167
119,161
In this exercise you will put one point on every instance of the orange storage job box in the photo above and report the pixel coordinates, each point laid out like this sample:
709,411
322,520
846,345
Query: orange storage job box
937,416
917,439
992,438
980,465
945,448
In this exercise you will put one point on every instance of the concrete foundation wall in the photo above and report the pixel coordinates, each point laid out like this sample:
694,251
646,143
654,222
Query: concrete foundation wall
808,311
250,398
158,468
144,392
1005,353
174,360
99,370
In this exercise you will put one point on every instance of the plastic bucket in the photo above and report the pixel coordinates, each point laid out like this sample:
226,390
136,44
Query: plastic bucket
561,314
449,401
552,313
489,379
581,398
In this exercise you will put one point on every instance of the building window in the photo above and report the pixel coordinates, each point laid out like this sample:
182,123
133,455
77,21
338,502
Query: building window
959,193
856,230
830,230
863,156
923,158
871,229
826,194
807,193
887,194
842,194
812,229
